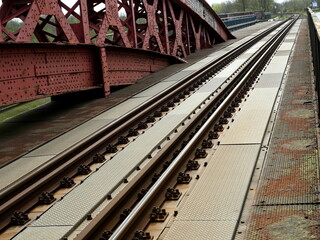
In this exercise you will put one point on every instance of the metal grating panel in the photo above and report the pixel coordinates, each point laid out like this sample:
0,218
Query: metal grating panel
200,230
195,66
68,139
286,46
155,89
283,52
227,72
14,171
269,80
221,189
191,103
40,233
74,207
250,123
211,86
178,76
278,64
121,108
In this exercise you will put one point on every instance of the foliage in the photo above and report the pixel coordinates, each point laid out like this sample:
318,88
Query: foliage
231,6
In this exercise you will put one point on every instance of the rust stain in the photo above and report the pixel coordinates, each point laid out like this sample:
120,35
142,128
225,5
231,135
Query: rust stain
289,183
295,224
290,175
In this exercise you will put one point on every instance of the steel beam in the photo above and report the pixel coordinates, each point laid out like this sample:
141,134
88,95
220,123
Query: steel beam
78,42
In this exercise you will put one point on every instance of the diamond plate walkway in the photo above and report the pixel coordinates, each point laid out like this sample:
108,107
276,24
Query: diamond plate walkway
286,202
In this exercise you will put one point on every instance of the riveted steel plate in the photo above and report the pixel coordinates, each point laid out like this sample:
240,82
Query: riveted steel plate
269,80
178,76
17,169
121,108
221,190
155,89
251,122
200,230
47,233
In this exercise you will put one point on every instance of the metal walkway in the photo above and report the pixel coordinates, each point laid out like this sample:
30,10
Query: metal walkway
212,211
69,213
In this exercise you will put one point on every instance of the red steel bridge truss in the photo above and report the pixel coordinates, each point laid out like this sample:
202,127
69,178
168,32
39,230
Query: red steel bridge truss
52,47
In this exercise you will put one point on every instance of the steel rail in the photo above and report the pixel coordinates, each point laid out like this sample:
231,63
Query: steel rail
119,233
17,192
172,91
121,230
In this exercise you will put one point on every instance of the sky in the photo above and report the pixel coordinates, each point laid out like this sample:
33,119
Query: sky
220,1
208,1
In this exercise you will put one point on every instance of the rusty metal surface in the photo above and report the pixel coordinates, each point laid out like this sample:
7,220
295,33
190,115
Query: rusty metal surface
287,198
37,71
51,120
298,222
146,23
169,28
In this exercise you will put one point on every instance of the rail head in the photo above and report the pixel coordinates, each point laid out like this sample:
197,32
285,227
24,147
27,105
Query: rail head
255,64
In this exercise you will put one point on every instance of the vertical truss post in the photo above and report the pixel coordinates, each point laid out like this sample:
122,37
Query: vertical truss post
85,21
104,65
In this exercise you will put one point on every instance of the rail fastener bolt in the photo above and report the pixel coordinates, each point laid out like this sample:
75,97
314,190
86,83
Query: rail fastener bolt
158,215
142,125
67,182
193,165
133,132
98,158
110,148
141,235
213,135
84,169
46,198
19,218
172,194
183,178
123,140
207,143
200,153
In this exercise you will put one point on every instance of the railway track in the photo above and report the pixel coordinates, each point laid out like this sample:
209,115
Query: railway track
217,113
166,160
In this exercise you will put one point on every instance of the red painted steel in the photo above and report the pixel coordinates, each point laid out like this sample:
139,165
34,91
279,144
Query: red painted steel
86,30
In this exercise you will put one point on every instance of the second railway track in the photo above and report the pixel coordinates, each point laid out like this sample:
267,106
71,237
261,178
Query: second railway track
193,134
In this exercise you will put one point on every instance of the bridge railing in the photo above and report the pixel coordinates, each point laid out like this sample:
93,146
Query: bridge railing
314,30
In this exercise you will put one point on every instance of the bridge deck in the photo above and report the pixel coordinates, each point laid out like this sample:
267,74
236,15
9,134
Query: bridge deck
284,189
55,118
285,168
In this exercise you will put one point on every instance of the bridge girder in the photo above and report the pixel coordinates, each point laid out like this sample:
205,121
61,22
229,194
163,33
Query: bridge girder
172,28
